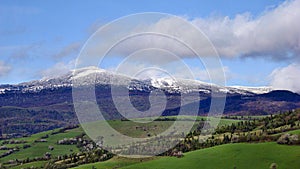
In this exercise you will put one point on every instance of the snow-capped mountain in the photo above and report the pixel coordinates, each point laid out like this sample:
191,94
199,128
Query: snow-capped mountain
94,75
55,94
48,103
256,90
83,76
188,85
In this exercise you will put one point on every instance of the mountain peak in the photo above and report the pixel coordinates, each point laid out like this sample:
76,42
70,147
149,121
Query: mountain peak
86,71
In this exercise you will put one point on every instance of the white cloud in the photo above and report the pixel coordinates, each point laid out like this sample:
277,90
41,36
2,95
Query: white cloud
4,69
169,34
286,78
58,69
274,34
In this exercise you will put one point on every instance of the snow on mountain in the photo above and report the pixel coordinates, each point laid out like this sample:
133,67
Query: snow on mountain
256,90
189,85
2,91
94,75
84,72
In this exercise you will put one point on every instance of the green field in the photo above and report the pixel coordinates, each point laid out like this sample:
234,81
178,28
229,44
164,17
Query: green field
116,162
39,149
227,156
184,124
38,164
125,127
242,155
294,132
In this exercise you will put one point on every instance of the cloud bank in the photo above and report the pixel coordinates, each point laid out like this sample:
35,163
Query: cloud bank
286,78
274,34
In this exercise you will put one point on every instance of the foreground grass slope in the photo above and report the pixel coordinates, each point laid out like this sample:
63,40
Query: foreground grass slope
115,162
36,164
242,155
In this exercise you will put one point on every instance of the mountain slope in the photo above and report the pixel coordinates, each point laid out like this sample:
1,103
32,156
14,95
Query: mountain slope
46,97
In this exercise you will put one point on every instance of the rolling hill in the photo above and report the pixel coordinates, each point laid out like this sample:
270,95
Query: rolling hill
242,155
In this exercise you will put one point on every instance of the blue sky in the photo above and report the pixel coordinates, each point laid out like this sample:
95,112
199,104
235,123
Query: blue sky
39,36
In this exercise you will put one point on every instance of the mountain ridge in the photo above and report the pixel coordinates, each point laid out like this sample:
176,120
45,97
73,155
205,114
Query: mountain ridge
46,101
86,75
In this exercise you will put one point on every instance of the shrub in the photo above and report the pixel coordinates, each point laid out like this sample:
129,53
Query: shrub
288,139
273,166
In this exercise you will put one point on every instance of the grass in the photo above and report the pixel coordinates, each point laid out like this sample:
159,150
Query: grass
129,128
227,122
125,127
295,131
115,162
39,149
141,130
37,164
241,156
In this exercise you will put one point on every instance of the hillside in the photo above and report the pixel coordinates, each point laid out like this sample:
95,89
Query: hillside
241,155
